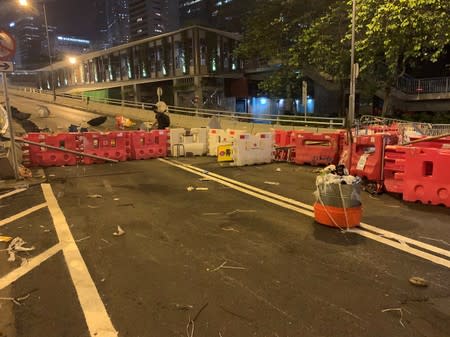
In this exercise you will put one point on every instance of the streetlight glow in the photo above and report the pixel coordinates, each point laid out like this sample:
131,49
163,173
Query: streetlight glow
72,60
23,3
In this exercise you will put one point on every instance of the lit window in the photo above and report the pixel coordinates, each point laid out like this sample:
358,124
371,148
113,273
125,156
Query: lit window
138,19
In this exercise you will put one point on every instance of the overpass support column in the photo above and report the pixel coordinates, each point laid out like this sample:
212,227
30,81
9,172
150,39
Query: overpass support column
198,92
137,93
122,94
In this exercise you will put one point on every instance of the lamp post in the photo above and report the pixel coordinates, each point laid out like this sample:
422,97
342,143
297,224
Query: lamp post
353,72
25,3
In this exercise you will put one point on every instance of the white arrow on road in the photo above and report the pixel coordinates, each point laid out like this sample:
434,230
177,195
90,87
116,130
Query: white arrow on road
6,66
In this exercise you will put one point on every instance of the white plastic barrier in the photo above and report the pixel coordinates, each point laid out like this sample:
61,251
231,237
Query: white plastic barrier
193,141
250,150
218,137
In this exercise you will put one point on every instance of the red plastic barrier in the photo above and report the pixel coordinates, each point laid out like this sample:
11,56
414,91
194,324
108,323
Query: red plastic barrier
368,155
146,145
111,145
282,137
394,168
41,156
316,148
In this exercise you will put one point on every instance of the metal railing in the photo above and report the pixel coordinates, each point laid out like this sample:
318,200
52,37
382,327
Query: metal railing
410,85
290,120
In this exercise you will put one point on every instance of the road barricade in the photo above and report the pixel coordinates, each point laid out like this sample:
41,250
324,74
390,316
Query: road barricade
148,144
250,150
111,145
193,142
316,148
40,156
368,159
419,173
217,137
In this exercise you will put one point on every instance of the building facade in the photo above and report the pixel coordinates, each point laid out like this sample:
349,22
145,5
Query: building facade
117,22
152,17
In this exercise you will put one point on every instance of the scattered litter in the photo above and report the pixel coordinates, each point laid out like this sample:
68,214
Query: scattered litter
116,199
52,175
418,281
272,183
437,240
15,300
183,306
205,179
201,188
190,188
47,230
5,238
93,206
241,211
396,309
190,327
95,196
102,280
119,232
224,266
25,172
211,213
278,169
82,239
393,206
230,229
16,246
42,226
106,241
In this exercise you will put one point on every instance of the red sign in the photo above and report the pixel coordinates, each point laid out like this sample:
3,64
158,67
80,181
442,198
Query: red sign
7,46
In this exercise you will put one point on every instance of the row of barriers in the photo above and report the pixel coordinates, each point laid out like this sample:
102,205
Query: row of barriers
117,145
417,171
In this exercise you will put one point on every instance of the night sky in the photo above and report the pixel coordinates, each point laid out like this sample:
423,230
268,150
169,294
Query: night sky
72,17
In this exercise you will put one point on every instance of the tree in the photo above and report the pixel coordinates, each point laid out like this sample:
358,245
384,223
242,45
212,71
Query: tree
268,35
393,34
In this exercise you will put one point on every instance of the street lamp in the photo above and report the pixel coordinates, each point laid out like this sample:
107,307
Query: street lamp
24,3
353,71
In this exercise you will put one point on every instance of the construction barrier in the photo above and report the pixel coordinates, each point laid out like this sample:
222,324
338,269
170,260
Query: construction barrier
250,150
40,156
316,148
217,137
420,174
111,145
368,158
193,142
148,144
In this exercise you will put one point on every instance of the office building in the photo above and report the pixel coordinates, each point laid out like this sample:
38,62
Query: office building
152,17
117,22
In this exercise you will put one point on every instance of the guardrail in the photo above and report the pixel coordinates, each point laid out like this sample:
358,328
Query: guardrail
290,120
410,85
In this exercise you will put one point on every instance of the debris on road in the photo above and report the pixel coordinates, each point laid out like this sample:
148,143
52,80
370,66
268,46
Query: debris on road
399,310
5,238
116,199
25,172
183,306
15,300
201,189
205,179
272,183
190,188
418,281
190,327
241,211
119,232
106,241
95,196
16,246
208,214
278,169
82,239
230,229
93,206
224,266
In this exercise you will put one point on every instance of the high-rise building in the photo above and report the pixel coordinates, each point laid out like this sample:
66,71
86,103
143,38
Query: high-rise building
117,22
99,38
152,17
31,40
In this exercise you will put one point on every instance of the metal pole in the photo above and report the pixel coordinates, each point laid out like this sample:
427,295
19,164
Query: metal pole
49,52
11,131
351,103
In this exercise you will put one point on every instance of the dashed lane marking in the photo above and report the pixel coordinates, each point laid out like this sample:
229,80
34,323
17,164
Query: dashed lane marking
97,319
22,214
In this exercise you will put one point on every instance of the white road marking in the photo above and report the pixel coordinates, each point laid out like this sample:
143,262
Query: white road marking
94,310
5,195
379,235
379,231
22,214
34,262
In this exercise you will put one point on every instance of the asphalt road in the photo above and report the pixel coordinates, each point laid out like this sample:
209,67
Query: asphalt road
232,263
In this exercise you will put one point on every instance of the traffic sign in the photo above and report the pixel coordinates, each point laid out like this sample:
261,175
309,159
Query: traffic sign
6,66
7,46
